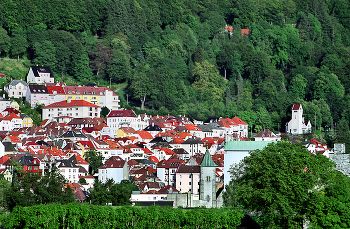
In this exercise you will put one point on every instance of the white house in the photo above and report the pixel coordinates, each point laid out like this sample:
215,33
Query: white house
56,93
4,103
69,170
72,108
16,89
297,125
114,168
119,118
37,94
266,135
10,122
40,75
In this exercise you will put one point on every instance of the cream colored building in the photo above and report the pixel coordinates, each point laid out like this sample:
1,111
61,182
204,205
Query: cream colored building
71,108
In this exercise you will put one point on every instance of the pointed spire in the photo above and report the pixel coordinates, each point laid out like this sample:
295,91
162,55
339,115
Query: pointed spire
207,160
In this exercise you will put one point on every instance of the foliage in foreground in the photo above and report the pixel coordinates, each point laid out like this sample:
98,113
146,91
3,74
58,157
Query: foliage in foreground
77,215
110,192
289,186
28,189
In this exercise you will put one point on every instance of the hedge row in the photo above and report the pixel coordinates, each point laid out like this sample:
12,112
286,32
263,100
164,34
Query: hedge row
77,215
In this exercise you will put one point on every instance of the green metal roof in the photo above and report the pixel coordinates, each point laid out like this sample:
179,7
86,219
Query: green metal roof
246,145
207,160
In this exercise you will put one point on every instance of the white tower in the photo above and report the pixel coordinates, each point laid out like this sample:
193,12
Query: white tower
208,181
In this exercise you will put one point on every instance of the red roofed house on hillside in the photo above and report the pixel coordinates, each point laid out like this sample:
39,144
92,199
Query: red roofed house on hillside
56,93
73,108
10,122
297,125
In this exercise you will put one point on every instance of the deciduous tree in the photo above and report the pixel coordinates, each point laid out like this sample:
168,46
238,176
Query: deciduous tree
283,182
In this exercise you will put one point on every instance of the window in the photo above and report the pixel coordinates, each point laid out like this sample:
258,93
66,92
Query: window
189,183
90,108
69,170
90,114
76,109
208,178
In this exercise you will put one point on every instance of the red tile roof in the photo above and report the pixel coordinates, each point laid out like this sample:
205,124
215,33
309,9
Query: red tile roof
11,110
57,89
121,113
238,121
73,103
245,32
144,134
11,116
296,106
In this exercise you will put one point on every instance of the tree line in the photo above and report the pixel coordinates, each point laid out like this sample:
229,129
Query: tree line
176,56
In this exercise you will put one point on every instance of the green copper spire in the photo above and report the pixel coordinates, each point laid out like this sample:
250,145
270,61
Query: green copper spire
207,160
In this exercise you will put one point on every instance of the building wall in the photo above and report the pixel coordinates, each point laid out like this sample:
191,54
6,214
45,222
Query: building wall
186,182
75,112
43,78
4,104
208,186
17,91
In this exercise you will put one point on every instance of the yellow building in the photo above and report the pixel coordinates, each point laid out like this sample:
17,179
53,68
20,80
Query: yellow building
125,132
14,105
27,121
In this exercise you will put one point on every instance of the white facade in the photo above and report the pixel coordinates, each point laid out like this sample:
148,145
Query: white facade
123,118
297,125
70,173
110,100
4,103
74,108
37,94
16,89
188,182
40,75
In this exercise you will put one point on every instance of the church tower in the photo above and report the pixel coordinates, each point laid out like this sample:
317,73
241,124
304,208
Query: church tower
208,181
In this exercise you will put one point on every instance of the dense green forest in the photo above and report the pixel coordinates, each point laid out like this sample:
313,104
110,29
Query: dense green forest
176,56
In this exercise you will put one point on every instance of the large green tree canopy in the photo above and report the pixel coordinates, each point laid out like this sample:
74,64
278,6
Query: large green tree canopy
191,57
289,186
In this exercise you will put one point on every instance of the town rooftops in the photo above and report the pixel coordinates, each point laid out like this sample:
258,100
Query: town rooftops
72,103
121,113
41,69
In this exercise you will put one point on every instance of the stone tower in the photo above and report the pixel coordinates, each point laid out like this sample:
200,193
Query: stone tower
208,181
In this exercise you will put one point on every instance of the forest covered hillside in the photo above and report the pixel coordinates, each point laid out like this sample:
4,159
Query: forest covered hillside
175,56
